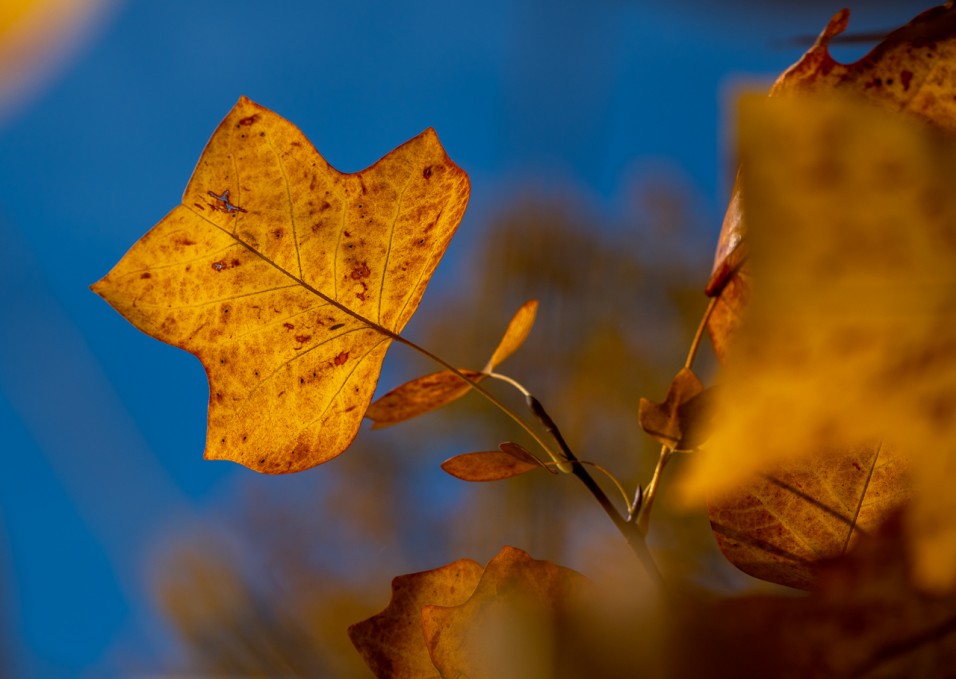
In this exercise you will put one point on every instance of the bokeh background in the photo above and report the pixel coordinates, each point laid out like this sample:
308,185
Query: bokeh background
598,138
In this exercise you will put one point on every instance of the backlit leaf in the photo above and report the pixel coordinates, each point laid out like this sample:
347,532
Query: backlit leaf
286,277
849,335
492,465
910,71
392,643
777,529
515,334
430,392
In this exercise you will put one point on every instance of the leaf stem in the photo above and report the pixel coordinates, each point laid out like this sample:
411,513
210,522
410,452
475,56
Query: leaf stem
566,461
556,457
695,343
643,516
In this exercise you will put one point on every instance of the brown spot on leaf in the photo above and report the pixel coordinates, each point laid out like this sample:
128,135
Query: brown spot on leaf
302,339
250,120
905,78
184,240
199,206
337,326
288,326
427,172
220,265
361,271
146,275
342,358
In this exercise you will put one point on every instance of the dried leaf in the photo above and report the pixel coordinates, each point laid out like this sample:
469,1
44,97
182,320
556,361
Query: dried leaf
780,526
392,643
851,218
862,619
670,421
510,627
424,394
492,465
285,276
420,396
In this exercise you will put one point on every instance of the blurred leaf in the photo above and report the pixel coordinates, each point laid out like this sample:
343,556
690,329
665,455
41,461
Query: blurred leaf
492,465
776,528
863,618
392,643
677,422
430,392
510,626
462,620
908,72
851,220
285,276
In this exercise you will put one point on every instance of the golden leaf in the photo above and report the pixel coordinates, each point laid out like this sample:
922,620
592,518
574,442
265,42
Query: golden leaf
288,279
849,336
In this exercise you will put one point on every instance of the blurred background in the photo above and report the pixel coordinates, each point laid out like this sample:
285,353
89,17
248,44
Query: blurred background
597,136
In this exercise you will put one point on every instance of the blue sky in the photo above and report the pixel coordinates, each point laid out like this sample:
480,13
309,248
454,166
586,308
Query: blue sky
561,93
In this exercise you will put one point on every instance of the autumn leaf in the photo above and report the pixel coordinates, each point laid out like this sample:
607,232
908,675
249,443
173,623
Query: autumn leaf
781,525
503,620
288,280
851,219
510,626
435,390
863,618
679,422
777,526
392,643
493,465
909,72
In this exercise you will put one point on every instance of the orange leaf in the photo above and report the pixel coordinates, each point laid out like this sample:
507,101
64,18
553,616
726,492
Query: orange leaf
761,526
419,396
287,279
392,642
493,465
863,618
781,526
511,624
906,72
430,392
516,333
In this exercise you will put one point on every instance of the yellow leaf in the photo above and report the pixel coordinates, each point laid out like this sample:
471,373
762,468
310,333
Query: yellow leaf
287,279
392,643
433,391
515,334
849,336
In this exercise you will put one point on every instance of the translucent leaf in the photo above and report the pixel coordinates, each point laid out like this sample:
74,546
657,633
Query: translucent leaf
286,277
